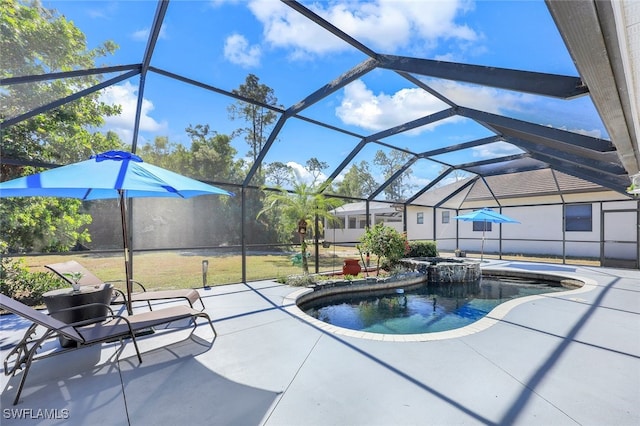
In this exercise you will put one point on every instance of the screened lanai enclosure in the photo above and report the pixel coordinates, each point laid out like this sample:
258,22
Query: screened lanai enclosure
405,113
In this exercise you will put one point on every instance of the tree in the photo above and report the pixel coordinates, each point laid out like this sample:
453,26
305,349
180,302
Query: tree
288,209
315,168
358,182
212,156
384,242
257,116
390,164
35,40
279,174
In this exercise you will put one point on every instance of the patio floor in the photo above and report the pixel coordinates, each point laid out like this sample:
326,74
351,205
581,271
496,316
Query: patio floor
564,359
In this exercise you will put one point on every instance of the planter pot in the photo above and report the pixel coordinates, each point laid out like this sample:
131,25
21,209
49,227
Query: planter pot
351,267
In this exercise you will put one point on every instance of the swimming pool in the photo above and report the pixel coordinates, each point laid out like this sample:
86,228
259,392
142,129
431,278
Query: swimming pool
425,308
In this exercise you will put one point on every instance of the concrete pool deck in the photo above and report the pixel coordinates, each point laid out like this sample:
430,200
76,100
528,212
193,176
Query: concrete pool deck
570,358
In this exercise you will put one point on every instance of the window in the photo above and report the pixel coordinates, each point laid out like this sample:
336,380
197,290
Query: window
482,226
445,216
352,222
578,217
420,218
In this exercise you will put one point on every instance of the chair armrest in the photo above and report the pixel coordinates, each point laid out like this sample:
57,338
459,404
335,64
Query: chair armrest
138,283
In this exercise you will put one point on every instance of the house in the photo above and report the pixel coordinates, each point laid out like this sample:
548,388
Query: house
559,215
352,220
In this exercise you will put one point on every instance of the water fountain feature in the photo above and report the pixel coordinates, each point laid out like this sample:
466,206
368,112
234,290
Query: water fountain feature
444,270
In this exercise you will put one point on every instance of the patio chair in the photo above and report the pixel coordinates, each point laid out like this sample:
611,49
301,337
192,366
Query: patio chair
84,333
88,278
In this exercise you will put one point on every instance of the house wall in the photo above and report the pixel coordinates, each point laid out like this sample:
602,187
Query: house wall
347,234
540,231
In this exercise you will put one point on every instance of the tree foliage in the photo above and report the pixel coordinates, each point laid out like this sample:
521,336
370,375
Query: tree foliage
212,156
36,40
358,182
286,209
315,168
385,242
258,117
279,174
397,189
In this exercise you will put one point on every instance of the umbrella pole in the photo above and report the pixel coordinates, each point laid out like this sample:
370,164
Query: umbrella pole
484,228
125,243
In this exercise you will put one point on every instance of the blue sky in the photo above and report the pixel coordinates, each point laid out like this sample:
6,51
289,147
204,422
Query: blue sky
219,42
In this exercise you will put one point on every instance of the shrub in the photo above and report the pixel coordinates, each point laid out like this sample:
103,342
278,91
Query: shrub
385,242
300,280
17,282
422,248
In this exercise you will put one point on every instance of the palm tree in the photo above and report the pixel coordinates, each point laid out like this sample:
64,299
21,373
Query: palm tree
299,209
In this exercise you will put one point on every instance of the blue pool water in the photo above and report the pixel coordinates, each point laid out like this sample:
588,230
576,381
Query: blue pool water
426,309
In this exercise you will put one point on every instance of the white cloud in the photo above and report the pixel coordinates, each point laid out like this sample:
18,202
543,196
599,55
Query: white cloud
238,51
103,10
126,95
140,35
143,34
418,182
285,28
303,175
361,107
594,133
482,98
495,150
386,25
391,24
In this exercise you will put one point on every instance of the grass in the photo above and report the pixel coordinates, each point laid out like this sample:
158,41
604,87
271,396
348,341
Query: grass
173,269
165,270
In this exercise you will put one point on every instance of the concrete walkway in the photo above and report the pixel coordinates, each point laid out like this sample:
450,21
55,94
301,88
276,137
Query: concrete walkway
565,359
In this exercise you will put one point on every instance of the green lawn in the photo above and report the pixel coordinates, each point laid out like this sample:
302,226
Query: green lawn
164,270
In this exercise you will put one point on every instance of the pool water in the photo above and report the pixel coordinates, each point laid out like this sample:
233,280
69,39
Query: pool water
425,309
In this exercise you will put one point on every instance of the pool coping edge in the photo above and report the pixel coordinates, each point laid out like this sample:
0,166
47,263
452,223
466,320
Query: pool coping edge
290,305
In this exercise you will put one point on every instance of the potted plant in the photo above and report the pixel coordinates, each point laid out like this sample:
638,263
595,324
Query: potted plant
75,278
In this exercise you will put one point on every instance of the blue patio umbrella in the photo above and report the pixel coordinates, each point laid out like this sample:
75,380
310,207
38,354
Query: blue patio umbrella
112,174
485,215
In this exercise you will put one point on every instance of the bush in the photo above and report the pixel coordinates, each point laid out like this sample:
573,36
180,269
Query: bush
300,280
422,248
385,242
17,282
